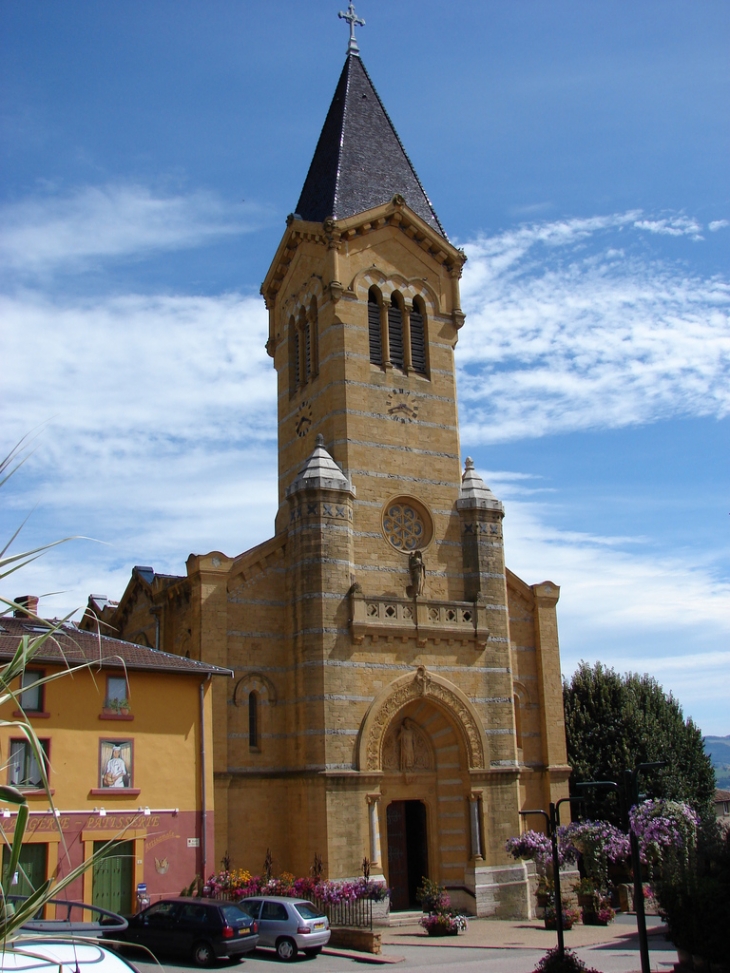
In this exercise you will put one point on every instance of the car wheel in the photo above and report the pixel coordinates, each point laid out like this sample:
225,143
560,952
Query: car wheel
313,951
286,949
203,954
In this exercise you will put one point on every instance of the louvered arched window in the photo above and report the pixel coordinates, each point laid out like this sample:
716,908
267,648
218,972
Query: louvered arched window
418,337
303,347
375,334
395,331
312,341
293,357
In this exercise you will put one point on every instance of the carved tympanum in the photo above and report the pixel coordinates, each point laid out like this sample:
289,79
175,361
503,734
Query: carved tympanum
422,683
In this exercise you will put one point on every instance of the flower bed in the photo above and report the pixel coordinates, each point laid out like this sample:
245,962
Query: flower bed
240,884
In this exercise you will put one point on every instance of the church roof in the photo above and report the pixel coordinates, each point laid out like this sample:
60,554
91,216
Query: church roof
360,162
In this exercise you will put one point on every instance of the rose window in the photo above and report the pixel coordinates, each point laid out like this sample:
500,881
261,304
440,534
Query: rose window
404,527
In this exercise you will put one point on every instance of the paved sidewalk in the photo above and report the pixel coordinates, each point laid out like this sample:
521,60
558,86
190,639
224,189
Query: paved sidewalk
612,949
529,934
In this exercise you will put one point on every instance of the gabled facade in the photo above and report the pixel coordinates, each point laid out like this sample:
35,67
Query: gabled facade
125,738
398,693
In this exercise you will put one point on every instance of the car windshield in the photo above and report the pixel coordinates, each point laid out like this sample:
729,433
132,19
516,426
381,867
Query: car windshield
233,913
307,911
251,907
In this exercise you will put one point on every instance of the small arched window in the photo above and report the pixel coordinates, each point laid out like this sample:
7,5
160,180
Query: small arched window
518,721
374,327
293,357
253,720
418,337
303,348
395,331
313,338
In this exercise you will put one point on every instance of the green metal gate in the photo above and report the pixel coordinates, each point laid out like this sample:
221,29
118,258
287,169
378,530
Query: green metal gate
112,877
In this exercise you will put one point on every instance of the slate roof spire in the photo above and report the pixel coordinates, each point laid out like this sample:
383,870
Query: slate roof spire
359,161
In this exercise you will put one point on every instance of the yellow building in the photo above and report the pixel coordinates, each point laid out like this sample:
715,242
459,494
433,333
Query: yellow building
397,691
127,742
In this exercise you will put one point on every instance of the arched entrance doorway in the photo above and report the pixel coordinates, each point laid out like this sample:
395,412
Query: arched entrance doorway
407,851
425,792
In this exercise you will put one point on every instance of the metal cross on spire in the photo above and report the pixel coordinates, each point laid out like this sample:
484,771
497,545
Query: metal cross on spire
353,20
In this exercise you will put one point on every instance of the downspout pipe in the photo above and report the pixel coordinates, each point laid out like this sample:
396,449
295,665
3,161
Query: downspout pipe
203,784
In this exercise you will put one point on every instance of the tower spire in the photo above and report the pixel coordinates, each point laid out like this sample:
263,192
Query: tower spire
353,20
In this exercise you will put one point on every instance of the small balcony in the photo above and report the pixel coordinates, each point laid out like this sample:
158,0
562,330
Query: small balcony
421,619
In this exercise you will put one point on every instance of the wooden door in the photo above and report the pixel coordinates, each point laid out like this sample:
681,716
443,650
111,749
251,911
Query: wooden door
397,856
31,871
417,847
112,877
407,852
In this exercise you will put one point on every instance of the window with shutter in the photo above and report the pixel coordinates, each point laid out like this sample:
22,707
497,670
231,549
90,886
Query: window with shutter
418,340
395,333
376,338
293,358
307,351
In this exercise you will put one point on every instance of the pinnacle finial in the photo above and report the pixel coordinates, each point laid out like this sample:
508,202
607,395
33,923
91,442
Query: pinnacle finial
320,439
353,20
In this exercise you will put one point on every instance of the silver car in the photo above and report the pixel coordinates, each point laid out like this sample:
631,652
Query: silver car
288,925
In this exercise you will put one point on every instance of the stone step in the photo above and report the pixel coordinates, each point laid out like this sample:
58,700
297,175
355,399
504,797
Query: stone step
404,918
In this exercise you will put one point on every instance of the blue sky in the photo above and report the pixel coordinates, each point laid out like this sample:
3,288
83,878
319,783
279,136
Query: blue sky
578,152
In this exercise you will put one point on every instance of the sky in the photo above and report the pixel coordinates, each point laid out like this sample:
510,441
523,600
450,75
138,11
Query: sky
578,152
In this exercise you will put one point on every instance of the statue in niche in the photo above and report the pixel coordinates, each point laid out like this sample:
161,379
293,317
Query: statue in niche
407,740
406,748
418,574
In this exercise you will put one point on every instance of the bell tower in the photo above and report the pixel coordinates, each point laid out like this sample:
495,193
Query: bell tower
397,693
364,314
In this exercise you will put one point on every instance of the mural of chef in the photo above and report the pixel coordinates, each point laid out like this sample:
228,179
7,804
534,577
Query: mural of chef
115,771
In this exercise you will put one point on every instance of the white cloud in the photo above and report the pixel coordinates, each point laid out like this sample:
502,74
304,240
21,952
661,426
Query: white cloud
162,368
565,332
718,225
157,419
49,232
672,226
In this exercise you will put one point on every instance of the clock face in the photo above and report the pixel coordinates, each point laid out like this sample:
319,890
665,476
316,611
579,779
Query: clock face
402,405
303,419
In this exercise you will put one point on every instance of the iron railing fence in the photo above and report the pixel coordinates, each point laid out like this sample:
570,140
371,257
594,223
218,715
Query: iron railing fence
357,914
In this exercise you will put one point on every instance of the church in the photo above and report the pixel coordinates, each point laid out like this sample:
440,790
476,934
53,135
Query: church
397,693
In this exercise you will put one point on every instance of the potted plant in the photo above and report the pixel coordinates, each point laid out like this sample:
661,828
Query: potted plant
586,893
545,890
440,918
570,917
600,915
443,923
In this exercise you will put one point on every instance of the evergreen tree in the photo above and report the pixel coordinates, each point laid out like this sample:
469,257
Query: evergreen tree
615,722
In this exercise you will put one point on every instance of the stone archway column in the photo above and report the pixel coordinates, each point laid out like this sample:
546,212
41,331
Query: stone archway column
375,852
476,831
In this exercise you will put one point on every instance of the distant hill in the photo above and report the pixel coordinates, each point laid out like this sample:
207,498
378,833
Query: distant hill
718,750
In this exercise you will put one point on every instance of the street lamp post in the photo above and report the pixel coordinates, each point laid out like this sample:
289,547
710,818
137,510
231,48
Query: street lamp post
553,823
629,796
